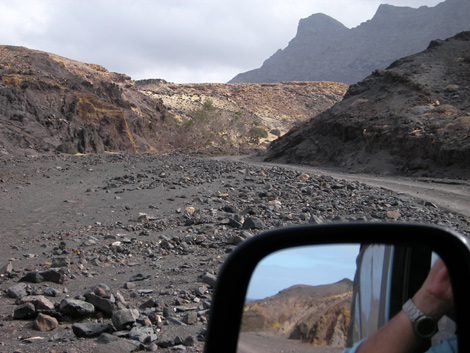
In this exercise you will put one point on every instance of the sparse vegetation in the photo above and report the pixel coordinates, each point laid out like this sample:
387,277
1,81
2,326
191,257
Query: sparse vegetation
213,130
257,133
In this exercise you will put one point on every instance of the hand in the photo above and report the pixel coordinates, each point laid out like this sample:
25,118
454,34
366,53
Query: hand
435,296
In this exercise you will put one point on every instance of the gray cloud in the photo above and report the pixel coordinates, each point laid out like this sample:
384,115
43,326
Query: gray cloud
178,40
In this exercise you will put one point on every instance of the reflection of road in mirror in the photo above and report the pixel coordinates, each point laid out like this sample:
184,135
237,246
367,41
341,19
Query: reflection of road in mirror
251,342
300,299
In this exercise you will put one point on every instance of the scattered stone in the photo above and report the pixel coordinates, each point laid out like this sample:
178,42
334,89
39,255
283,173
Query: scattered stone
253,223
50,292
190,318
118,346
91,329
45,323
123,318
210,279
151,303
393,214
45,276
143,217
7,270
106,305
39,301
189,341
76,308
60,262
142,334
139,277
18,290
25,311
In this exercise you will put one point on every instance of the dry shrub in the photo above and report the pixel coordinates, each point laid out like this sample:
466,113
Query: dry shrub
210,130
97,67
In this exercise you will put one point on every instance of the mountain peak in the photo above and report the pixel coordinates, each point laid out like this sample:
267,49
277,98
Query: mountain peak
325,50
318,23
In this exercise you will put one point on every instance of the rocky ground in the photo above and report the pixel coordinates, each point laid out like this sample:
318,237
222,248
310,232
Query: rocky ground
120,252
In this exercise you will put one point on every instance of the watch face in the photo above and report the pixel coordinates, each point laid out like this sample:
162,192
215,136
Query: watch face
425,326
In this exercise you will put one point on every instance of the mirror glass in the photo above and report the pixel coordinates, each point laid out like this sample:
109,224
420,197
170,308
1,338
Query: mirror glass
325,298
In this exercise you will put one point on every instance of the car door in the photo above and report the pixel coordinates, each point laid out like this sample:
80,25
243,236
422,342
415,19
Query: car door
386,277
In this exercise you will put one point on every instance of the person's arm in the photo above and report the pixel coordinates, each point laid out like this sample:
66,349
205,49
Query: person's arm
434,298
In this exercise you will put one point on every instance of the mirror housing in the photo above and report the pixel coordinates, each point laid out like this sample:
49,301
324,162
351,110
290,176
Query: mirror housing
234,276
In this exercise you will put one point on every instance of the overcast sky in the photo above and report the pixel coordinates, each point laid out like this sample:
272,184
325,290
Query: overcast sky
181,41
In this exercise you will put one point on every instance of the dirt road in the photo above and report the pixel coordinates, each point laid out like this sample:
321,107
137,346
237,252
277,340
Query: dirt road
261,342
449,194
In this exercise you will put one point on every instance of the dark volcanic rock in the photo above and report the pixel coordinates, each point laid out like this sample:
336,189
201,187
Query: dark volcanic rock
91,329
413,117
76,308
325,50
44,276
25,311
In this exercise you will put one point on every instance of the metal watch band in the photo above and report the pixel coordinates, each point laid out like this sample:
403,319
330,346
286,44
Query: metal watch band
424,326
411,310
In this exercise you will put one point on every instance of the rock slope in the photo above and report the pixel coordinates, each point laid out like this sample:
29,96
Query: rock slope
325,50
275,106
412,118
315,314
49,102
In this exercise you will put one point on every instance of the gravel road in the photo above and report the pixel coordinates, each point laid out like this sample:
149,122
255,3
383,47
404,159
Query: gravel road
452,195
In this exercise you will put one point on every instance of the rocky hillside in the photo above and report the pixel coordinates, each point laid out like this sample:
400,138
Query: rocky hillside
229,117
324,49
315,314
412,118
275,106
50,103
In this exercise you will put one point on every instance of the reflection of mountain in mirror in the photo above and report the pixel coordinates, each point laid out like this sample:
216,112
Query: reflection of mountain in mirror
302,294
303,313
308,265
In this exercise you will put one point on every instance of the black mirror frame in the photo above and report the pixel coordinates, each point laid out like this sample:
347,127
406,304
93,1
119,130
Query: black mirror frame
234,276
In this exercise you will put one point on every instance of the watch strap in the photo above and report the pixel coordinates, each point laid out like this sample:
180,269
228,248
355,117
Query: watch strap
424,326
412,311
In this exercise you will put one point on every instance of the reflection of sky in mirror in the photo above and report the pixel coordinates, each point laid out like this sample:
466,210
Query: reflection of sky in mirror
310,265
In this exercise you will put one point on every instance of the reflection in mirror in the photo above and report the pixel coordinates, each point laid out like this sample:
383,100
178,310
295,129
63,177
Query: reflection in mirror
300,298
326,298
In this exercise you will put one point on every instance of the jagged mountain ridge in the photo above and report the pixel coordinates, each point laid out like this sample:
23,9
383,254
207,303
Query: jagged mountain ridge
412,118
325,50
50,103
315,314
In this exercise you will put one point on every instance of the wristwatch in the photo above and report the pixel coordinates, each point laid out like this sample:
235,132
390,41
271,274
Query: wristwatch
424,326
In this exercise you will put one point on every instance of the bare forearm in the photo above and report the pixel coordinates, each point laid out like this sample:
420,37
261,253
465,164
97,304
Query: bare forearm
397,336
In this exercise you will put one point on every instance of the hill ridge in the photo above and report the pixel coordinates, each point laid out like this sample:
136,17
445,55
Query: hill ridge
347,55
412,118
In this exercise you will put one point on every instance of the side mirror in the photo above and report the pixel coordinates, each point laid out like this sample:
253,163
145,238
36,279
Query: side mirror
230,295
